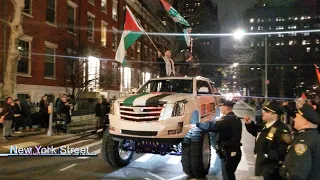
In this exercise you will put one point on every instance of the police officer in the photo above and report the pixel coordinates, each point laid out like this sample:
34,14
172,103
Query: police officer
272,140
229,129
303,158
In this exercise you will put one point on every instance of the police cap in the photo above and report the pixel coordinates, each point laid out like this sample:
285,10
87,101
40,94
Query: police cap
227,103
309,114
273,107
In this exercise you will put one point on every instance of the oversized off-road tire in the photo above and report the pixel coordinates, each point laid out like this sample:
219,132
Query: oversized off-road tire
196,154
113,153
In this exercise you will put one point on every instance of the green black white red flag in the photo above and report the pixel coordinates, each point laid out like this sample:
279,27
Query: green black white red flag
132,31
174,13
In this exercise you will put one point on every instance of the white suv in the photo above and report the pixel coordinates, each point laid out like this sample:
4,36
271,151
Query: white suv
153,120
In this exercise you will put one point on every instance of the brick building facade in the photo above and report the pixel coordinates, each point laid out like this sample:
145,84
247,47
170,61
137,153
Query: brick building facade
56,32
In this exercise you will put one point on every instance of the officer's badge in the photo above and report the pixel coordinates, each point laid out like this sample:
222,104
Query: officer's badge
286,138
300,148
271,133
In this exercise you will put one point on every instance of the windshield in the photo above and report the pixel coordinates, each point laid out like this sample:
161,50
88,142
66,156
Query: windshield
168,85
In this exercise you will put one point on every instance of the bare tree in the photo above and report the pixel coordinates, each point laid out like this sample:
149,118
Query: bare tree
77,81
16,31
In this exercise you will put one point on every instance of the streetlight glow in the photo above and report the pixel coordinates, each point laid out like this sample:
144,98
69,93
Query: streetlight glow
238,34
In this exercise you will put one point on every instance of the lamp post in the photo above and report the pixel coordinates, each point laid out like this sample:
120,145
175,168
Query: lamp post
238,35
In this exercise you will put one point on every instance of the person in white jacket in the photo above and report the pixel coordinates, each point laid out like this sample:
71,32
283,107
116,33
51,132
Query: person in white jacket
169,63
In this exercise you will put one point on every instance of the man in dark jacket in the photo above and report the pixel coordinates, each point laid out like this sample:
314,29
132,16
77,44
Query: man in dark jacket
17,115
303,159
229,130
272,140
99,115
26,113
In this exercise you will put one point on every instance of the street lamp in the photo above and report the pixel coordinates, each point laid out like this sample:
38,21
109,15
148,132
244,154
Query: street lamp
238,35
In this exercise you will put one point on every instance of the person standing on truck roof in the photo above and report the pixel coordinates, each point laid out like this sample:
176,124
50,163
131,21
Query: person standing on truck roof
229,131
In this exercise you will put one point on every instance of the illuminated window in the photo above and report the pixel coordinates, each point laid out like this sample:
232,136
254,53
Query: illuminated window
306,34
308,49
115,9
317,41
104,6
138,51
290,42
104,27
93,72
251,20
251,28
270,28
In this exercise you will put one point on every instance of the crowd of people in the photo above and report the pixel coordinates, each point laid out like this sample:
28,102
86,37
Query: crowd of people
20,115
286,147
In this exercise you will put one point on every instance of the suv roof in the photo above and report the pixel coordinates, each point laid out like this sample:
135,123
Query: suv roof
184,77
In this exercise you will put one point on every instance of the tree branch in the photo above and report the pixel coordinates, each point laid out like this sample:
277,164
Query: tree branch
6,22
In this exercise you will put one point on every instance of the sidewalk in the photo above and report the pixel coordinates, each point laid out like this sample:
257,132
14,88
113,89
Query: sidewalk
78,129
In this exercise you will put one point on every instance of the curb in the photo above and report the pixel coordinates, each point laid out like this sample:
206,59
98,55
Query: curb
247,105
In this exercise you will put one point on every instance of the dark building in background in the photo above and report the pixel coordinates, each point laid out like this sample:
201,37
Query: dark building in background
291,56
203,18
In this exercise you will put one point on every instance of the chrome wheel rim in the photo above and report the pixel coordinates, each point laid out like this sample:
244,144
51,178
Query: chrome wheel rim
124,154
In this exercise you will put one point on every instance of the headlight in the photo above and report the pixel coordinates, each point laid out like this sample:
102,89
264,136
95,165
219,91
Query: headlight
112,108
178,109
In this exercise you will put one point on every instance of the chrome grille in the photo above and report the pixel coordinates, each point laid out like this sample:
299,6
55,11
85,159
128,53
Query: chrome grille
140,113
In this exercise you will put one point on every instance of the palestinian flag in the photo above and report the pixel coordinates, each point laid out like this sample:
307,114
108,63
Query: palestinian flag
132,31
174,13
317,73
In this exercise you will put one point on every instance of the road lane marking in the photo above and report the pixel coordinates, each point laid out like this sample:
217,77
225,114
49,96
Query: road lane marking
68,167
144,158
174,160
154,175
178,177
243,165
92,144
86,157
247,105
74,143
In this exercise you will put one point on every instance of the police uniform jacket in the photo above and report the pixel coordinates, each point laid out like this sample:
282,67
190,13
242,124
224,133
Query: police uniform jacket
270,146
303,159
229,129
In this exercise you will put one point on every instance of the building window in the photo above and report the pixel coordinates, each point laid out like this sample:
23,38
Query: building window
252,28
90,27
115,9
132,51
71,16
260,28
270,28
306,26
51,11
91,1
317,41
27,6
104,28
306,34
279,28
308,49
292,27
114,39
292,34
316,49
25,57
252,20
269,19
305,42
282,43
104,5
290,42
49,60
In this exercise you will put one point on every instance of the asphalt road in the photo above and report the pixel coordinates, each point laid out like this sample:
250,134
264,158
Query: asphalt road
143,166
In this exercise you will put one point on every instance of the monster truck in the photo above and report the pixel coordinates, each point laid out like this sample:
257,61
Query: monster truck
154,119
